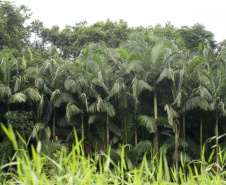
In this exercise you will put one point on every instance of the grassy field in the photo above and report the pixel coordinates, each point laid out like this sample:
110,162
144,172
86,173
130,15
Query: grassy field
63,167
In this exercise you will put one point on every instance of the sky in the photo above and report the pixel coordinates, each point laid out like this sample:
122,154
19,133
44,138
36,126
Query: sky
211,13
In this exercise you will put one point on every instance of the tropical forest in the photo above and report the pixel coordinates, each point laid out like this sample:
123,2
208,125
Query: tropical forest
106,103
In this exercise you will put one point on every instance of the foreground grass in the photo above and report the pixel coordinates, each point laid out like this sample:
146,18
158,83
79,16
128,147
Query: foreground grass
75,168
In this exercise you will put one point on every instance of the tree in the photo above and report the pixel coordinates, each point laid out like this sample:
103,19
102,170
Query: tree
13,33
196,34
150,58
72,39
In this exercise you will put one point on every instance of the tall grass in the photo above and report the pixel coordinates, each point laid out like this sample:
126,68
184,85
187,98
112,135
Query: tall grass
36,168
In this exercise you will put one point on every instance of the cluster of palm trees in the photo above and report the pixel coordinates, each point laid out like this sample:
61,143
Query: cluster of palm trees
122,95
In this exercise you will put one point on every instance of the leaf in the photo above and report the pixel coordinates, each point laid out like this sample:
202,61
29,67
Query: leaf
139,86
114,90
171,114
32,94
148,122
92,118
5,91
166,73
195,102
71,110
18,98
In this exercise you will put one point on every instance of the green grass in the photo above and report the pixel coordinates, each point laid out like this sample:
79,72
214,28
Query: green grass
63,167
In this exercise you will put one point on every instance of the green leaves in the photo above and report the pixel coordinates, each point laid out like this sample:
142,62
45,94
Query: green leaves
139,86
18,98
71,110
5,91
171,113
148,122
103,106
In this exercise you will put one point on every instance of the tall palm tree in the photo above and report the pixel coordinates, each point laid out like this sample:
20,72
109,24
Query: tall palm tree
213,83
5,85
150,58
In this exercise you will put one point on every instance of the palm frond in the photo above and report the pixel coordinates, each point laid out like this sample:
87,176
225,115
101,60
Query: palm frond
38,127
166,73
114,90
92,119
32,72
58,98
71,110
171,113
148,122
134,65
195,102
17,86
139,86
18,98
5,91
69,83
32,94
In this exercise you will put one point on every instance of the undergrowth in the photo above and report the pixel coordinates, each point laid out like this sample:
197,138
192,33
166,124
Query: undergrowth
35,167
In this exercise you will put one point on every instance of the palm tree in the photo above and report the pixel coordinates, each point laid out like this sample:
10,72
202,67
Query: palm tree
150,58
213,84
5,86
103,106
58,97
72,109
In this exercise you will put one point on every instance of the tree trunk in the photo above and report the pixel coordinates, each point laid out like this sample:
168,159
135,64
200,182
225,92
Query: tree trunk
201,122
126,125
8,109
177,135
217,144
176,152
135,117
156,121
107,132
184,141
184,130
83,135
55,138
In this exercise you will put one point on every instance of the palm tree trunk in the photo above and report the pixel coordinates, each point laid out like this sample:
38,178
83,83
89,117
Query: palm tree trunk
83,135
176,152
201,123
177,135
37,117
54,125
107,132
184,141
217,143
8,109
156,121
184,130
135,118
126,125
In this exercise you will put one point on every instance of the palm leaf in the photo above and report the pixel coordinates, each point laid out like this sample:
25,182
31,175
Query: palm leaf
171,113
139,86
5,91
32,94
166,73
71,110
148,122
195,102
18,98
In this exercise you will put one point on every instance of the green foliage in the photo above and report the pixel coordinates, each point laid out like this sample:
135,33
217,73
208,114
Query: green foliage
51,163
20,120
13,33
111,95
196,34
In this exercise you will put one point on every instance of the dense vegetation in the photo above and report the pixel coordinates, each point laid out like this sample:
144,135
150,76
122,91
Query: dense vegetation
156,91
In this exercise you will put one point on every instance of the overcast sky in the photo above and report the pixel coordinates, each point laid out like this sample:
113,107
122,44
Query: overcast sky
136,12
